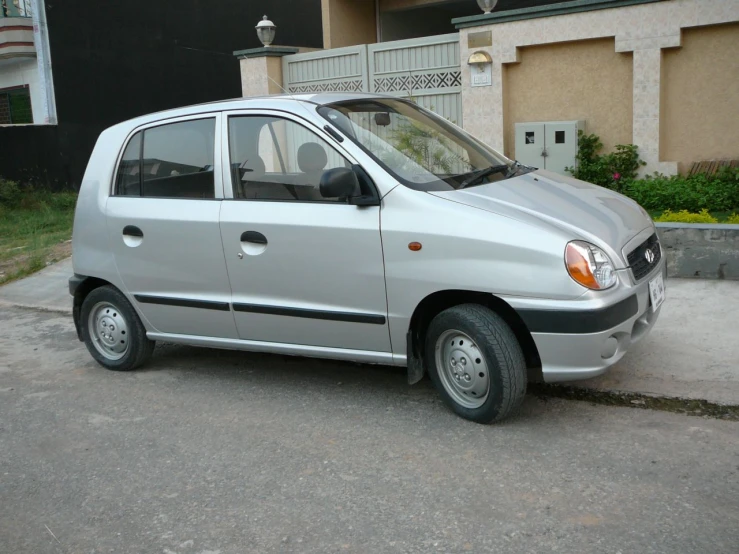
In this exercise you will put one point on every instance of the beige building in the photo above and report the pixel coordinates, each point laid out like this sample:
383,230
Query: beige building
661,74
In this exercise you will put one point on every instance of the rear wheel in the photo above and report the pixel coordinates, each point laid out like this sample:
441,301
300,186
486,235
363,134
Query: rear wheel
476,363
112,331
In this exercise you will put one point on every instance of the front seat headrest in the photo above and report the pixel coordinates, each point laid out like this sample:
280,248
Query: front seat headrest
311,157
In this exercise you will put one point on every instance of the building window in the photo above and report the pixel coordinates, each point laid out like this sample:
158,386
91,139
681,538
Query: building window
15,8
15,106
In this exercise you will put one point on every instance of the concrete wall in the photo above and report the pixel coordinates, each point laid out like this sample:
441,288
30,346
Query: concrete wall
700,117
404,24
574,80
348,22
24,71
642,29
700,251
403,4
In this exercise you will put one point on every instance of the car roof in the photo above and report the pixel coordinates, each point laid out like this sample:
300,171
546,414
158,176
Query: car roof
277,101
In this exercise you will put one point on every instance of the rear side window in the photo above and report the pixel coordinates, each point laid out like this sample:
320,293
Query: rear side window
170,161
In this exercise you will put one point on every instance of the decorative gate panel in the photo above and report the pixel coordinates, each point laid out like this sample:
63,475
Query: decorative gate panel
338,69
424,69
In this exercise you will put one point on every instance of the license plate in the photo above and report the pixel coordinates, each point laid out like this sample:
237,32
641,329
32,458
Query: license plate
657,292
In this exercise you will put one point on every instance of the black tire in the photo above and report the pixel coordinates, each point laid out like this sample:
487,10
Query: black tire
503,357
138,347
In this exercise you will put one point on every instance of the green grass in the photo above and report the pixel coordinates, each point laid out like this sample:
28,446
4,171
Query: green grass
35,232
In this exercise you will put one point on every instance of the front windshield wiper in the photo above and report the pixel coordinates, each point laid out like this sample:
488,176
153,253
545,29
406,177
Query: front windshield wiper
475,177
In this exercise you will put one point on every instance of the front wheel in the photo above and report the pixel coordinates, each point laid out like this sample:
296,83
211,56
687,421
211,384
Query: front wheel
476,363
112,331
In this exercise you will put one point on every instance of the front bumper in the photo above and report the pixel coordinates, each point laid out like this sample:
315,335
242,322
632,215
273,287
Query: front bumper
584,338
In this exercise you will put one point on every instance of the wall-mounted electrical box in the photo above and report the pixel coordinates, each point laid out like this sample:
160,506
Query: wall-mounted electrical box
548,145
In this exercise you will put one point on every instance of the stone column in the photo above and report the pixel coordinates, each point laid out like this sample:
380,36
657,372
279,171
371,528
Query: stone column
482,107
646,110
261,69
647,89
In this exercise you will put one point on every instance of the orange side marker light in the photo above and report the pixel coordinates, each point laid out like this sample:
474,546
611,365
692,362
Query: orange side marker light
414,246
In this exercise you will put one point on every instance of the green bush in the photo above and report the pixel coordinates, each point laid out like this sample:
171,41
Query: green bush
614,171
733,218
685,216
718,193
10,193
64,201
14,196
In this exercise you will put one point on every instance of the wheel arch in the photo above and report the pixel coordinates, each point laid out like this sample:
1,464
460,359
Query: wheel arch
79,287
439,301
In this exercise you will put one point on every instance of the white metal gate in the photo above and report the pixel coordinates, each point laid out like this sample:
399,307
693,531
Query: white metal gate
426,70
339,69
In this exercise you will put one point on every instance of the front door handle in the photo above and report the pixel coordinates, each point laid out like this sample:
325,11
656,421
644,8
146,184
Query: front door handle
254,237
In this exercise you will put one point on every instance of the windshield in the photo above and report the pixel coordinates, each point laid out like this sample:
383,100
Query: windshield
419,148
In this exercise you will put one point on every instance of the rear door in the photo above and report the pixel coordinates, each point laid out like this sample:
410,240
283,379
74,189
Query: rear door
304,269
163,227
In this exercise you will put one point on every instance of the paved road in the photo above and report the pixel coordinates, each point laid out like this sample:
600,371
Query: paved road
222,452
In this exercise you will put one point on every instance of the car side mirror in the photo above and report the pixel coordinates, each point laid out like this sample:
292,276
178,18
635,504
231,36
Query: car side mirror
339,182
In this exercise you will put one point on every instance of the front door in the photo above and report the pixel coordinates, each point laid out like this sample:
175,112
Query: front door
304,269
163,228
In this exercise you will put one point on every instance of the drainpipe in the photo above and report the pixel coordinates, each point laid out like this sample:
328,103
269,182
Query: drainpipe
43,60
378,25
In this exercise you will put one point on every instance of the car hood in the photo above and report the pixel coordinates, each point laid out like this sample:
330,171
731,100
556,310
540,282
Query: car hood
590,212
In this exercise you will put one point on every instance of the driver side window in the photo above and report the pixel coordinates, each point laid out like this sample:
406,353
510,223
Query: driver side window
277,159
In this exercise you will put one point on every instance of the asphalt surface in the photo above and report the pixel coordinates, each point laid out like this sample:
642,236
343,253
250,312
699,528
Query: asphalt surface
209,452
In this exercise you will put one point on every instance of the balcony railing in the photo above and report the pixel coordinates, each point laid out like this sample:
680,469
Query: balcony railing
15,8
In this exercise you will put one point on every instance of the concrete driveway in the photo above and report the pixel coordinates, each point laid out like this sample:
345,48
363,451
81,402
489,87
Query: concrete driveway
690,354
209,452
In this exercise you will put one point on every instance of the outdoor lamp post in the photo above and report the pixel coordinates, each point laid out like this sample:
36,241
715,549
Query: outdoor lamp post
266,31
487,5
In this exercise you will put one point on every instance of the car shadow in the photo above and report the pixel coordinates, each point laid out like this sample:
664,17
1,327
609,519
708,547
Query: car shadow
344,381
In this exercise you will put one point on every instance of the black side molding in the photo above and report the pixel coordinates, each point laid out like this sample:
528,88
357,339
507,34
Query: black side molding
311,314
183,302
582,321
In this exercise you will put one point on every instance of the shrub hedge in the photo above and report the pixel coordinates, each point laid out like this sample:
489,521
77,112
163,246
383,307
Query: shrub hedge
718,193
685,216
618,171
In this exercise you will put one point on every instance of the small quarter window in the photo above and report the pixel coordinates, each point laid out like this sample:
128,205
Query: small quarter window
128,180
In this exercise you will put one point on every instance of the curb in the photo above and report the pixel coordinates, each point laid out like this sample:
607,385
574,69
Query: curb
651,401
36,307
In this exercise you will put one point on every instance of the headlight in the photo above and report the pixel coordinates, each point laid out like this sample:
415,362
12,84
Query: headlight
589,265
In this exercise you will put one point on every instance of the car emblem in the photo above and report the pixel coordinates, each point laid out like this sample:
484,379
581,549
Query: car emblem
649,255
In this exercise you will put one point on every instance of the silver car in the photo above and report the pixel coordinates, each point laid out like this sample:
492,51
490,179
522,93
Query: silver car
356,227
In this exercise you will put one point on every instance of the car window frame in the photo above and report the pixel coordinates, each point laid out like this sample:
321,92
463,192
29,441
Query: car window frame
218,185
228,185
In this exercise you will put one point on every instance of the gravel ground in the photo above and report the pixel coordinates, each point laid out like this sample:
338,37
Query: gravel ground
207,452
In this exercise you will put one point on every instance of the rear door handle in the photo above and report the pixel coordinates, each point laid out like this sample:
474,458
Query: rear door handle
254,237
133,231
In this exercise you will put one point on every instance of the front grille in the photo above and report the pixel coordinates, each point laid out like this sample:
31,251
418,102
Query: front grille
637,259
